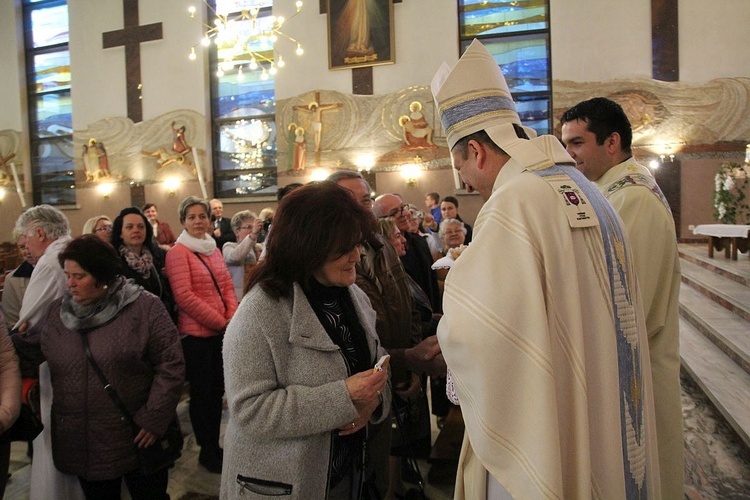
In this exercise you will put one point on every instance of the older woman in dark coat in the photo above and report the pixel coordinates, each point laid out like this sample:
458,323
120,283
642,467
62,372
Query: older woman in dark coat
299,357
135,344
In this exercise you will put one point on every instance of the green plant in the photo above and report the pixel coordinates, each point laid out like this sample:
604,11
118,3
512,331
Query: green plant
730,185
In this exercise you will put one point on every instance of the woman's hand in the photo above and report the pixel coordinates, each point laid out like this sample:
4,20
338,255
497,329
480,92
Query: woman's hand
144,439
364,390
255,230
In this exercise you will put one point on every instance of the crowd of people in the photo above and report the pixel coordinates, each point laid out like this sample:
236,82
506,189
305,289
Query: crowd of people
552,324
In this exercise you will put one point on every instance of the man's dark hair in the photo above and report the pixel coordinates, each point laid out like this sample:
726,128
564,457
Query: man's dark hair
462,145
149,205
314,223
96,257
435,197
117,229
283,191
603,117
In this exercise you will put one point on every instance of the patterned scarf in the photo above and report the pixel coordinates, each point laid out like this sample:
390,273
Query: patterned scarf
119,294
142,264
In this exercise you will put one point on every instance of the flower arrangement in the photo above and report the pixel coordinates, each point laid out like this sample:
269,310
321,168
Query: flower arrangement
730,185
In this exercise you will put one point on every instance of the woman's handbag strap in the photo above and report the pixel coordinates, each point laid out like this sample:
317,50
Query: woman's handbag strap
111,392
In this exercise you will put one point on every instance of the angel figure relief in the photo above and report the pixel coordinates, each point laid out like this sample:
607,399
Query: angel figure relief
95,161
417,133
5,173
178,151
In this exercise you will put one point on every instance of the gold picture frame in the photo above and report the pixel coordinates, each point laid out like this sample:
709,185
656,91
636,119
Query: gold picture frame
360,33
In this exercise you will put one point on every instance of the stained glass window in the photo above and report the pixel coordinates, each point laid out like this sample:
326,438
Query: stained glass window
516,33
243,104
49,101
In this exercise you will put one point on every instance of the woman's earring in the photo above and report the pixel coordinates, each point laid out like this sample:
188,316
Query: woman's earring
105,286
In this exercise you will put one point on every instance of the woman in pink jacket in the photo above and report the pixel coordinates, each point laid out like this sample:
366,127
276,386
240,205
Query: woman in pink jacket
206,301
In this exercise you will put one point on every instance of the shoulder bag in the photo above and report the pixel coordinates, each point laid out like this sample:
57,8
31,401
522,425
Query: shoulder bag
216,283
166,450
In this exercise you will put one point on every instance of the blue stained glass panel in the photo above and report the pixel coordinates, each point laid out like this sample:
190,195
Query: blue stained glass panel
54,115
524,61
237,95
498,17
51,71
50,26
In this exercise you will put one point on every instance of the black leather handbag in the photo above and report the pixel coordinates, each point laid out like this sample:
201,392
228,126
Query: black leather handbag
26,428
165,451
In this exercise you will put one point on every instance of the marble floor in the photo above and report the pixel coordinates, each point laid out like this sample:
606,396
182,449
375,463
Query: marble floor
717,464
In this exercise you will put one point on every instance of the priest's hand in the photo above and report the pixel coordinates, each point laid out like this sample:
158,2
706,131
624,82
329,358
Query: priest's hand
426,357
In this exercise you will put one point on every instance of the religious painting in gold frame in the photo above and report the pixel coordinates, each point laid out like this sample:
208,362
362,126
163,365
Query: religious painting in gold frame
360,33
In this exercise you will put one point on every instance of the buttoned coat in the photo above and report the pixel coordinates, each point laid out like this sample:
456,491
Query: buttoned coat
286,390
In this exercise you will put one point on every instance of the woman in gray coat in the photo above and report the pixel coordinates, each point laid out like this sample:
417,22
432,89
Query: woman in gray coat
299,358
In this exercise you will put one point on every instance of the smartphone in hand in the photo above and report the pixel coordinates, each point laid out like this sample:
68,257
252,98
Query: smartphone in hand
382,363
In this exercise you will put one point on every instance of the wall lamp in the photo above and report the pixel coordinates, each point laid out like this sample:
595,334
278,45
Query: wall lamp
171,184
412,171
105,189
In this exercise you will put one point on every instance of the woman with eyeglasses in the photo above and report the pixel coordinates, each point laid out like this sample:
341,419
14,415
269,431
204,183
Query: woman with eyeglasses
100,226
240,255
299,357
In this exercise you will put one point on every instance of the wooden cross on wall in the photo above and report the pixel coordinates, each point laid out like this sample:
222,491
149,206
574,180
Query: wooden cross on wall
131,37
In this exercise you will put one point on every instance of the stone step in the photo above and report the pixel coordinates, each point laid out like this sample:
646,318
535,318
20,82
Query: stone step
719,377
725,329
730,294
738,270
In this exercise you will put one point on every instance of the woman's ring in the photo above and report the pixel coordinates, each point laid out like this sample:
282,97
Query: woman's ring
378,393
354,425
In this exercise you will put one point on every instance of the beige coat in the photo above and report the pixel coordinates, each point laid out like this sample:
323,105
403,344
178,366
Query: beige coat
544,336
10,381
652,235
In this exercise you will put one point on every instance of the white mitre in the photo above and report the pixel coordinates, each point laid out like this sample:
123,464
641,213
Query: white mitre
474,96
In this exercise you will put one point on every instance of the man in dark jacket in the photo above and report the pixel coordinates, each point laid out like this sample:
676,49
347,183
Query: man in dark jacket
223,231
381,276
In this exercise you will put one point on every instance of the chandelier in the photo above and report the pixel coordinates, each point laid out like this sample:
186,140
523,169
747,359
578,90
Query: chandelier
246,39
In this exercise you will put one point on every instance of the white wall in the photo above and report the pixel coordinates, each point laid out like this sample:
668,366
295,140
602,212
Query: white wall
11,60
170,80
720,48
601,40
596,40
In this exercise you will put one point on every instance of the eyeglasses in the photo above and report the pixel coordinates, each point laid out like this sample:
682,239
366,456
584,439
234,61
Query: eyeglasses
246,227
396,211
103,228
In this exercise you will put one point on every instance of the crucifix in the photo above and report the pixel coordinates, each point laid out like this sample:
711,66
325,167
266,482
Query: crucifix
316,108
131,37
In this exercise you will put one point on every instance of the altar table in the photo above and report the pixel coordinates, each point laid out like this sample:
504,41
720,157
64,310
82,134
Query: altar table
737,233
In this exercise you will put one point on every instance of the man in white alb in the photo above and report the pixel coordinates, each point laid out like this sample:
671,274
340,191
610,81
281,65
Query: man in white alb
543,329
597,134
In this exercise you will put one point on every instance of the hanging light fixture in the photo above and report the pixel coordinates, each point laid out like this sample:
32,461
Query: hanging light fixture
246,38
